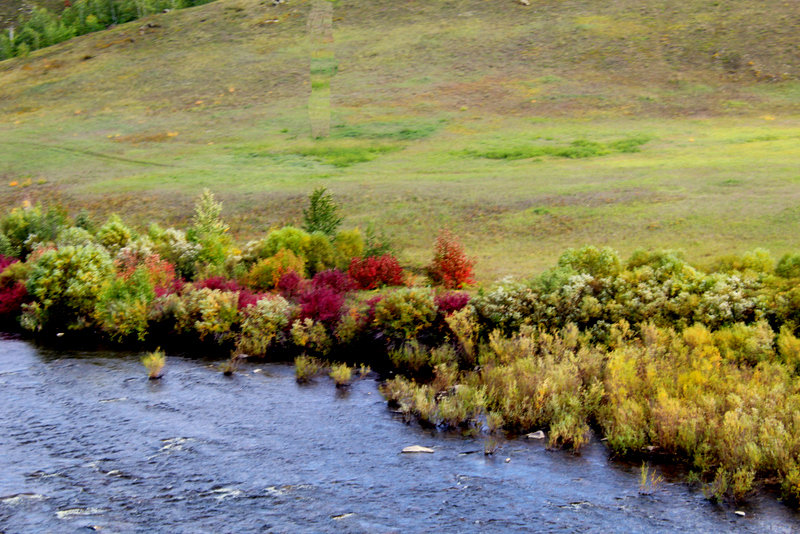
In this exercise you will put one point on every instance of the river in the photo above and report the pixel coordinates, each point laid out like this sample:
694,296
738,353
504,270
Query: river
88,443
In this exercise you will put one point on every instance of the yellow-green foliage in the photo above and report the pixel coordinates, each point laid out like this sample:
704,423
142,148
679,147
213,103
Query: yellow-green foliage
404,313
348,244
267,273
341,374
263,325
122,308
202,311
66,284
114,234
154,362
465,327
675,391
311,335
319,253
306,368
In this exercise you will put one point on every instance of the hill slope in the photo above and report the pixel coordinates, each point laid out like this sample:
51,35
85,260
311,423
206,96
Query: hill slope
426,98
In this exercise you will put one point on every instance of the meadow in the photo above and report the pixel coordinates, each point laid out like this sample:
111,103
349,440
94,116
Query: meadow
525,130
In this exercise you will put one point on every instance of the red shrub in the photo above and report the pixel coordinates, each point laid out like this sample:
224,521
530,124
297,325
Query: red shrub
291,285
175,286
372,272
450,302
334,279
5,261
219,282
12,298
451,267
248,298
321,304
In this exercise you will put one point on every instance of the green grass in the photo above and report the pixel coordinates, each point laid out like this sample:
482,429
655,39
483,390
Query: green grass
607,136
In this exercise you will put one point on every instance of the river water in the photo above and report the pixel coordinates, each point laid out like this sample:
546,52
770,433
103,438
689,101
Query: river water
88,443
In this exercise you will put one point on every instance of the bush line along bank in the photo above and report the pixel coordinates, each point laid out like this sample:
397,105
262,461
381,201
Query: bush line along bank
657,355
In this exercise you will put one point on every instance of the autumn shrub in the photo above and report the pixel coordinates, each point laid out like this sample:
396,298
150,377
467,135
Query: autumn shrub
114,234
173,246
788,266
591,260
66,284
306,367
506,306
756,261
322,304
290,285
218,282
75,236
450,267
27,227
319,253
404,313
312,336
342,374
264,325
334,279
204,312
154,362
122,307
13,292
347,244
286,238
450,302
373,272
267,273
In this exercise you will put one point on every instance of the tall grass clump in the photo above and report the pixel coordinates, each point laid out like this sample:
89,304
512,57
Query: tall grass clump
154,362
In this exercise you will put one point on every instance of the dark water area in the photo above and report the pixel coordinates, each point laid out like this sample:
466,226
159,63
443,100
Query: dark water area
88,443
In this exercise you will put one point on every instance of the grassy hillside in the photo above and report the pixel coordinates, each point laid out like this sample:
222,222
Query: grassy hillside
523,129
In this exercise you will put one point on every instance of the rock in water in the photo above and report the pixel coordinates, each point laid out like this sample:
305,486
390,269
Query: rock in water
536,435
416,448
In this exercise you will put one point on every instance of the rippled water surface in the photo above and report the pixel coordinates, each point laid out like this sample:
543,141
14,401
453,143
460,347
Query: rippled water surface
87,442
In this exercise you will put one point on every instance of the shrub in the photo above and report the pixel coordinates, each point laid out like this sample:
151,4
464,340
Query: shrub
341,374
404,313
450,267
264,325
173,246
66,283
372,272
506,306
268,272
347,245
590,260
319,253
121,309
74,236
13,292
305,368
322,304
114,234
286,238
450,302
219,282
201,311
290,285
311,335
333,279
321,214
788,266
27,227
154,362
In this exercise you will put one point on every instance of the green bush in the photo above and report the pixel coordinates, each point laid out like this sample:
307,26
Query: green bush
404,313
206,312
114,234
267,273
66,284
590,260
348,244
122,308
286,238
319,253
264,325
26,228
789,266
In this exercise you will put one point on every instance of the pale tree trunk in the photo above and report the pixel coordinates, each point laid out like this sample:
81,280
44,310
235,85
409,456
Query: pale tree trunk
323,66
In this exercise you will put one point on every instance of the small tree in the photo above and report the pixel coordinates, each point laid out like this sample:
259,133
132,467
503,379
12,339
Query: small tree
450,267
322,213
